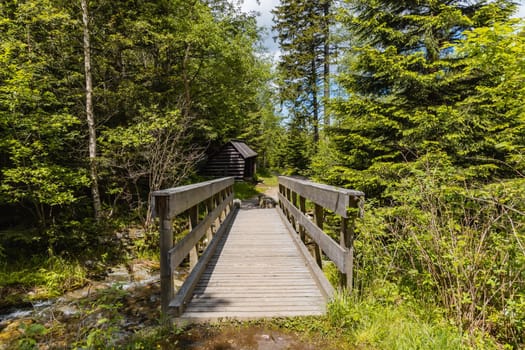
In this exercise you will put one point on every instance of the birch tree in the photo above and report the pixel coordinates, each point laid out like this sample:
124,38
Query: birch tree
92,134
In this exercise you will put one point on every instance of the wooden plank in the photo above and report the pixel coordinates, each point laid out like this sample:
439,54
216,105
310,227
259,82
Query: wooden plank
307,300
320,278
319,221
256,272
333,250
243,315
184,197
256,308
179,252
166,242
240,294
194,219
184,294
332,198
224,287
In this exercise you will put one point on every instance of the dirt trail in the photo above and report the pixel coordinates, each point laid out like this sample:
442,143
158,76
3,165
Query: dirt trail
269,190
205,337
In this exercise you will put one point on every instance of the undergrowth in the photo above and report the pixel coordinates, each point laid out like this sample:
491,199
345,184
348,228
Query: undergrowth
43,277
384,319
244,190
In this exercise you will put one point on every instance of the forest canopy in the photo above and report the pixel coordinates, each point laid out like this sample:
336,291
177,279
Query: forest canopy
419,104
170,79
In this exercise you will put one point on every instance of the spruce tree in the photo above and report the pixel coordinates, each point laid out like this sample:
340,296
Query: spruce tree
402,78
303,35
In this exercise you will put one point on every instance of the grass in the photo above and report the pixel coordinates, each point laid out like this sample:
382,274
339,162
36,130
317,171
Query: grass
268,180
45,277
244,190
401,324
381,319
372,323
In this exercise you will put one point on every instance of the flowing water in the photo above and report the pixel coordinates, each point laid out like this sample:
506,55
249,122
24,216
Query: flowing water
141,278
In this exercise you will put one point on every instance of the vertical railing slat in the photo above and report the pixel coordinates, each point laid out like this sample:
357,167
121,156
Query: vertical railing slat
166,243
194,220
319,221
344,203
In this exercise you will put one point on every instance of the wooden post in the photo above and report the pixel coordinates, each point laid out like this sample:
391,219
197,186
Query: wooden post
217,200
289,197
209,209
319,219
281,191
347,242
166,243
294,203
194,218
302,207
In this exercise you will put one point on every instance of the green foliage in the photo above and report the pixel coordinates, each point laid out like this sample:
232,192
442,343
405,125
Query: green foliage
414,87
244,190
30,333
303,29
170,79
106,309
461,246
388,320
268,180
431,129
48,276
382,318
154,338
293,157
36,126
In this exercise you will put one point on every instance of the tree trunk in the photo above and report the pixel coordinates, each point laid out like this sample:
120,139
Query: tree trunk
315,101
326,59
92,139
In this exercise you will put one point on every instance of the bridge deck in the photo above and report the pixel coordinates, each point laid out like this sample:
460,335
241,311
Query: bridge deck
256,272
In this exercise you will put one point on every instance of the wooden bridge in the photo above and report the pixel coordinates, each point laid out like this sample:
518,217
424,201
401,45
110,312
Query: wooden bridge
254,263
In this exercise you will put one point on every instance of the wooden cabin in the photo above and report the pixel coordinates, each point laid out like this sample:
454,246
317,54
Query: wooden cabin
234,159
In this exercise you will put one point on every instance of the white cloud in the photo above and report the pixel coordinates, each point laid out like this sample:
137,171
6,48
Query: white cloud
265,20
521,11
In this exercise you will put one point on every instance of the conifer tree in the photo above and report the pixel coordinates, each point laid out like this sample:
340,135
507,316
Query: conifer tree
402,78
303,34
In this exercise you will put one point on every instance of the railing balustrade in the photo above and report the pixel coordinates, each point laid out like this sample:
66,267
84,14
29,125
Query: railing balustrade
347,204
217,197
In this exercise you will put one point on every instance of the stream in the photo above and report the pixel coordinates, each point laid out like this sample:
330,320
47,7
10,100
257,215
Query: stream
119,276
135,294
137,307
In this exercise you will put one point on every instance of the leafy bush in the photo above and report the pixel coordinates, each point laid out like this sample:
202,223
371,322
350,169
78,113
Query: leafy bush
459,246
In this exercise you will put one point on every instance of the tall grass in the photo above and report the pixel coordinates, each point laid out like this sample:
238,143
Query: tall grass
46,276
389,321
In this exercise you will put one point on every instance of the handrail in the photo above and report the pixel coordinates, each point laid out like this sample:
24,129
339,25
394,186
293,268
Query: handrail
217,196
293,194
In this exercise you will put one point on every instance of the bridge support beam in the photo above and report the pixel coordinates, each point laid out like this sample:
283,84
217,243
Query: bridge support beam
166,243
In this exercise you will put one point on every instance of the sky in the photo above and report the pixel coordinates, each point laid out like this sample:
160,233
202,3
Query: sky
265,19
264,7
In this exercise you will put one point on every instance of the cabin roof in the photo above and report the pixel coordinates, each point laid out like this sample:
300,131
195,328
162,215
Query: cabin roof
245,151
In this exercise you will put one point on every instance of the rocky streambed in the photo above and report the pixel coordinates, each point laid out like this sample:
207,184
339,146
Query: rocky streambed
126,301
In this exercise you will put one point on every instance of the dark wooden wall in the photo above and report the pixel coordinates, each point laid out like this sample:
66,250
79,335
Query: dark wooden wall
228,162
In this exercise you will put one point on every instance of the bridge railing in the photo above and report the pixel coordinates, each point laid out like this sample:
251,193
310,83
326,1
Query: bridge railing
217,198
347,204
